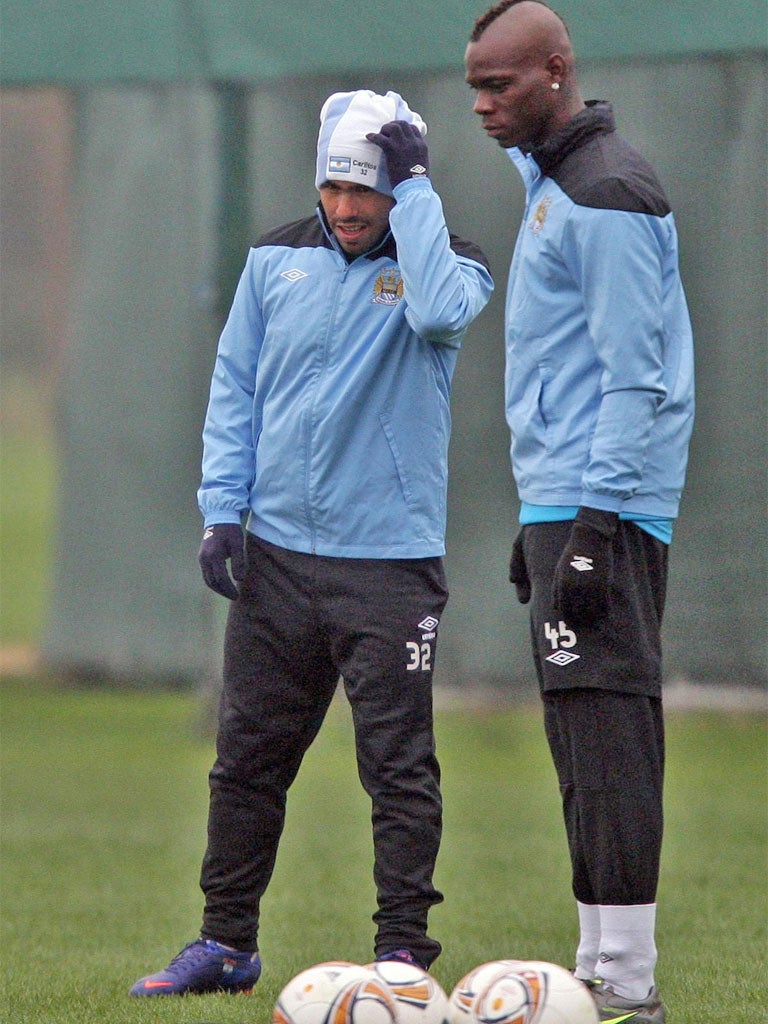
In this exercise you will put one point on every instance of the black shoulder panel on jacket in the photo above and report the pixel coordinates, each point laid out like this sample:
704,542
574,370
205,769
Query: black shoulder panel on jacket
299,233
470,251
308,232
606,173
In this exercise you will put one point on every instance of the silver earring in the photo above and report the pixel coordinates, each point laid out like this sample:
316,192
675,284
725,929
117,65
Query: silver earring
555,86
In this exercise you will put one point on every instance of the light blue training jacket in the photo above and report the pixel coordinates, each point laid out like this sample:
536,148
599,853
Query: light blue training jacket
599,351
328,422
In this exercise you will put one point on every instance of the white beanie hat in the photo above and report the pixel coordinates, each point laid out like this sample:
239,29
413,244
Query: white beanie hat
343,152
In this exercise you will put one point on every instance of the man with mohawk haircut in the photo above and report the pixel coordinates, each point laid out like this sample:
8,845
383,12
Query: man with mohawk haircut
599,401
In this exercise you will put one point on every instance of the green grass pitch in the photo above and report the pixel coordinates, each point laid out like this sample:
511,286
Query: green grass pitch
104,799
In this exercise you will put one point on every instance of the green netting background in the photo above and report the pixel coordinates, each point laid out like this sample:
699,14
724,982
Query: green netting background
170,179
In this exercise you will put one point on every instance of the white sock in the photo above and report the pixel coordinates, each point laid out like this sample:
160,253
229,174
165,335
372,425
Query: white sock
589,941
627,954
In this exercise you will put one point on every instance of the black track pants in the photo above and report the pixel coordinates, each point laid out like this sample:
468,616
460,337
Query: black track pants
601,689
608,750
301,621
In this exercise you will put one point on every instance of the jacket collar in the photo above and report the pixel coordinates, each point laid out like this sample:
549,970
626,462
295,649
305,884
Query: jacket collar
385,247
596,119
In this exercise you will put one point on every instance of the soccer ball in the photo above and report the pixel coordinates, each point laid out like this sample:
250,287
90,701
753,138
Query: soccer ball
419,998
337,992
462,999
532,992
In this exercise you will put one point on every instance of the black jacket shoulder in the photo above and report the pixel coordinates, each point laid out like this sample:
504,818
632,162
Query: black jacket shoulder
596,167
469,251
309,232
297,234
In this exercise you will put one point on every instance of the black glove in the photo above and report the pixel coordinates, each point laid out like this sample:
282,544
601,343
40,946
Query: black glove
582,582
405,149
518,574
221,542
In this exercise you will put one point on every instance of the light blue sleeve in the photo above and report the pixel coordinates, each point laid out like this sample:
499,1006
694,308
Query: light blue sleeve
232,422
444,290
618,260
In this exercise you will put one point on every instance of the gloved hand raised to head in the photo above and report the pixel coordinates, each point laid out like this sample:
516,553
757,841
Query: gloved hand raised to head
405,149
221,543
581,588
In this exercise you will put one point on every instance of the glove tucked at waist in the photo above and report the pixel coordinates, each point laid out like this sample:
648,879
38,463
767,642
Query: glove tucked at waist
582,581
518,573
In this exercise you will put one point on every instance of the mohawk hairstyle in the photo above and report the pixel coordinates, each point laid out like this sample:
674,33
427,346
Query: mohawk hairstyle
493,13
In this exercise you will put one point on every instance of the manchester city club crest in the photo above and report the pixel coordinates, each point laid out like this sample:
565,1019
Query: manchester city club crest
540,216
388,288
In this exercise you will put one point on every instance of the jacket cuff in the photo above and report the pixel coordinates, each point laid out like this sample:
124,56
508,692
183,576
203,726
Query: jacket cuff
221,517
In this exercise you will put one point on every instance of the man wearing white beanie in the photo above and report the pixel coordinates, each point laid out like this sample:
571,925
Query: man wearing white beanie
324,494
